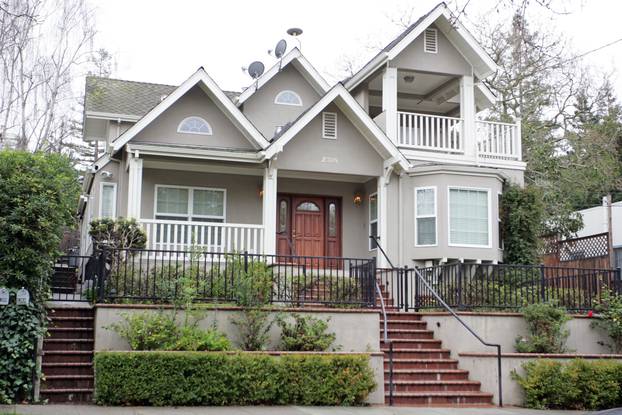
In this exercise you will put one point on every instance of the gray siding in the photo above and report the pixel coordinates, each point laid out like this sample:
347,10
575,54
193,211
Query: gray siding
195,102
265,114
350,153
448,60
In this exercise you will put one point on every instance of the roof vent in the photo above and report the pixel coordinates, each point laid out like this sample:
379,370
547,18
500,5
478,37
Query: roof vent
329,125
430,40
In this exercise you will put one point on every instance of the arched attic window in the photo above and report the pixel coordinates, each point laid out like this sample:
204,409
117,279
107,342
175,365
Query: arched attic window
288,97
194,125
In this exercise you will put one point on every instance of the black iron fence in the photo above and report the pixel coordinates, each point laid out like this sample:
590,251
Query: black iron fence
162,276
499,286
73,278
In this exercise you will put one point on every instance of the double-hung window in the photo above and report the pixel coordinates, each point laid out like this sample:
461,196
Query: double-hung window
108,200
190,204
469,217
425,216
373,220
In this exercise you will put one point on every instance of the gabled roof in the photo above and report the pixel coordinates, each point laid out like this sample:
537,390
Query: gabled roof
357,115
301,63
456,33
108,96
202,79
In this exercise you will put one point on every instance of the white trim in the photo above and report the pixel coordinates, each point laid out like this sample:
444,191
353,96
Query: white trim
499,220
370,221
200,77
377,139
114,199
324,113
435,215
301,63
285,91
196,153
425,40
479,189
96,115
190,214
209,127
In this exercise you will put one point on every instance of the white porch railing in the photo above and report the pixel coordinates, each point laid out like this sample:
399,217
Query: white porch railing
498,140
206,236
429,132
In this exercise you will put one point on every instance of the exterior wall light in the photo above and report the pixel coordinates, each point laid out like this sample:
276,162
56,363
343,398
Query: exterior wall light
358,199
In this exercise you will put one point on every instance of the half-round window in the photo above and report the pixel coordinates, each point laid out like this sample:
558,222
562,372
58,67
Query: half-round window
194,125
288,98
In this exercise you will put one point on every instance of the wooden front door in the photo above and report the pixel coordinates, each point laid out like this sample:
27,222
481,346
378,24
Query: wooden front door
308,234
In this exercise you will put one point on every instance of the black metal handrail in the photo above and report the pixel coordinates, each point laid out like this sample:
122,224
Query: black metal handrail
453,313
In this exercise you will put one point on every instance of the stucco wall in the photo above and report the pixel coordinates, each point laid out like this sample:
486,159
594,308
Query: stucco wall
243,203
196,102
350,153
448,60
265,114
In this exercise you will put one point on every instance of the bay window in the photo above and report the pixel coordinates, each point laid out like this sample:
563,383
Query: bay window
469,217
425,216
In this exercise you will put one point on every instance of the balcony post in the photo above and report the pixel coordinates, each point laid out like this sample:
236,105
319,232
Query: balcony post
519,142
134,188
389,102
269,209
467,113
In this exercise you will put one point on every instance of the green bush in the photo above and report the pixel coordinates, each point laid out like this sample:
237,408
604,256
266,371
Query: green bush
253,325
192,338
522,211
146,331
117,233
193,378
609,308
545,323
580,384
38,196
305,334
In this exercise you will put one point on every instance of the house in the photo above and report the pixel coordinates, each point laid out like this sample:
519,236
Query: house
293,165
595,221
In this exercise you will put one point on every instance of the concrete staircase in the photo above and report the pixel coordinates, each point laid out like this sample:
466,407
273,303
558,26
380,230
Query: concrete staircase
67,362
424,374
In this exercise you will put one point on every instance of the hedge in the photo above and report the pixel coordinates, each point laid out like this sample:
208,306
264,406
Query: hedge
221,378
580,384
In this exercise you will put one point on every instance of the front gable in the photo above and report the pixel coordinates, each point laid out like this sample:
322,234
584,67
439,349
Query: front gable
194,103
262,110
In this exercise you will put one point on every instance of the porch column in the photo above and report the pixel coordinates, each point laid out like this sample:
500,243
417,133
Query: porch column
467,113
134,187
382,220
269,210
389,102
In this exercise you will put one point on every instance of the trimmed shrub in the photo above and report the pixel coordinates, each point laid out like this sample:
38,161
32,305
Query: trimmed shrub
580,384
193,378
305,334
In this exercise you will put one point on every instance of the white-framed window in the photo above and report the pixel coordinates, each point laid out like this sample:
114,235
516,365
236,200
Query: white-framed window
425,216
430,40
288,97
329,125
469,217
194,125
373,220
500,220
107,200
197,204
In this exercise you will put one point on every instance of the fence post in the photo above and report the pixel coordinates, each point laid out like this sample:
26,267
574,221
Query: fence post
405,287
101,270
542,284
617,281
460,273
372,283
246,262
417,293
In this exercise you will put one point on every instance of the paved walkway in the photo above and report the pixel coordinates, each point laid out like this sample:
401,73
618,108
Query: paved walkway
265,410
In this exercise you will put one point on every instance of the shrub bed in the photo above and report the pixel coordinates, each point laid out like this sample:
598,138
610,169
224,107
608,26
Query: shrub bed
580,384
218,378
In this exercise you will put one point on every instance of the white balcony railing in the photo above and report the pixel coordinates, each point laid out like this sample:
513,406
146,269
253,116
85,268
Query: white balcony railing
498,140
205,236
429,132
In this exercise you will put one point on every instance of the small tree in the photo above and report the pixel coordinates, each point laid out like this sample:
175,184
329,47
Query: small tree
118,233
38,196
522,213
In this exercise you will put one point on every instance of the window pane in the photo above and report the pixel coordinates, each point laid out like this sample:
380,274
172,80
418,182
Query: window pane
373,230
332,220
208,203
426,231
172,200
289,98
283,216
194,125
468,222
107,201
308,207
425,202
373,207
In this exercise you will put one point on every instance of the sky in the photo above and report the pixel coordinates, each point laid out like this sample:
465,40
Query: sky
166,41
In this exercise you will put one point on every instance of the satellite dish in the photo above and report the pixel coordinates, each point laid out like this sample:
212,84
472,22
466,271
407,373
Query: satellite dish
255,69
280,48
294,31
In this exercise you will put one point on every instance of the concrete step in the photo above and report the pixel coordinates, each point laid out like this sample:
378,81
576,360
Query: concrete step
67,382
410,364
434,386
67,368
418,353
441,398
70,333
68,344
63,356
427,374
67,322
67,395
411,344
